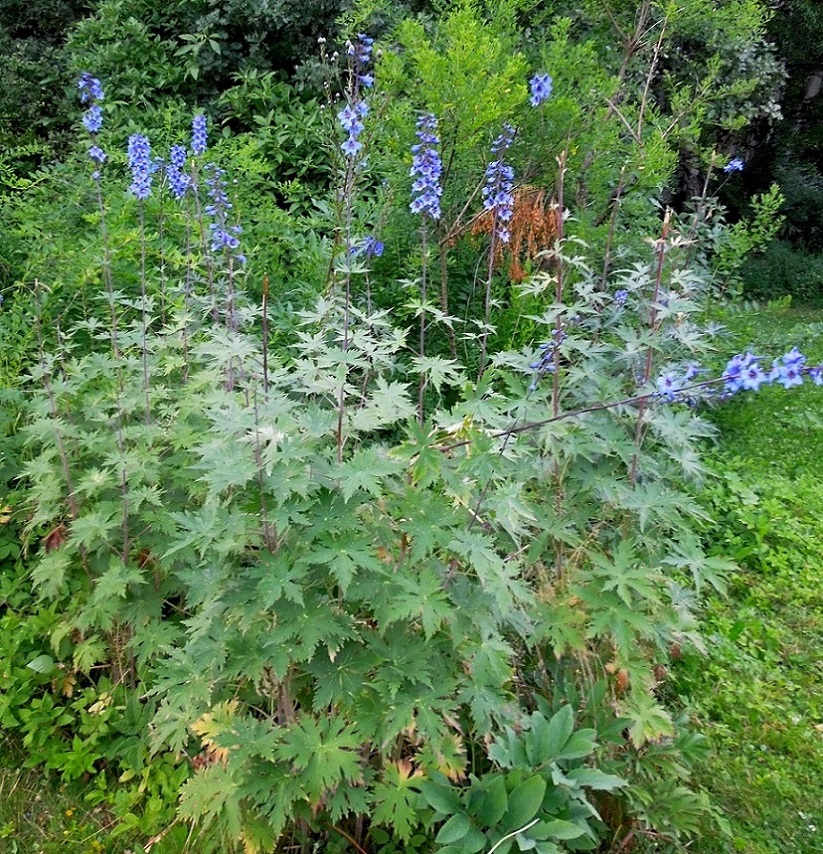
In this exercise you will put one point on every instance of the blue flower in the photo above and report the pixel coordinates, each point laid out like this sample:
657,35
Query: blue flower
427,169
199,135
89,88
620,297
140,163
361,51
541,88
177,156
351,147
97,155
223,235
93,118
498,196
736,164
351,120
179,182
369,247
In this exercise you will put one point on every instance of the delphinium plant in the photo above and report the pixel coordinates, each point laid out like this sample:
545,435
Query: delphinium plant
355,605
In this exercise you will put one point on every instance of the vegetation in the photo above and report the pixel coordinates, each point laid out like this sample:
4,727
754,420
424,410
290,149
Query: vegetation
370,474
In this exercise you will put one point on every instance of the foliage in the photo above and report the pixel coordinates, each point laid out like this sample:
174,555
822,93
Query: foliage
376,564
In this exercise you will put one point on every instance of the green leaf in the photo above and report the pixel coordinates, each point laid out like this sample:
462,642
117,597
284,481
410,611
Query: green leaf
42,664
325,752
495,801
556,829
595,779
525,802
579,745
396,800
555,734
442,799
454,829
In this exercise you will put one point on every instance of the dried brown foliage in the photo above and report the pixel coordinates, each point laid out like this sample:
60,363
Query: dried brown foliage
533,228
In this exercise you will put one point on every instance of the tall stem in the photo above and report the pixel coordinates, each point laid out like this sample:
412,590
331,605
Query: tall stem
421,391
487,299
559,556
115,347
144,312
640,428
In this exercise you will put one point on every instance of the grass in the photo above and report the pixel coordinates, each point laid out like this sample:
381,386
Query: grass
758,694
41,815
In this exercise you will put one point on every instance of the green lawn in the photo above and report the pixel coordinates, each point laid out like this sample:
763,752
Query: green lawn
758,694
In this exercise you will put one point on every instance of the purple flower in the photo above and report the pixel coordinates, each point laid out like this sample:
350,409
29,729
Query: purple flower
140,163
199,135
669,384
736,164
179,182
620,297
427,169
361,50
541,88
351,147
350,118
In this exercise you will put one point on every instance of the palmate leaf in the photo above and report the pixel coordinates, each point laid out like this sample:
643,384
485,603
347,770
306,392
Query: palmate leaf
649,720
343,556
364,471
323,753
397,796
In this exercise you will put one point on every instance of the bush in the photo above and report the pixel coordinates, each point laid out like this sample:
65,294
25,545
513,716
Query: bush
784,269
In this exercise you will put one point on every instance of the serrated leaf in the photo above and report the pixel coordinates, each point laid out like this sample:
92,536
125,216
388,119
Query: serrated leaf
42,664
396,797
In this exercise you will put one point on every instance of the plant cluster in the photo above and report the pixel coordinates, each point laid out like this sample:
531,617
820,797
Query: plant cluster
356,573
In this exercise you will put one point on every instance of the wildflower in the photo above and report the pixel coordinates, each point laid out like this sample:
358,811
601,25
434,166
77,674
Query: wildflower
498,195
541,88
177,156
620,297
369,247
93,118
427,169
199,135
89,88
360,50
788,370
736,164
179,182
140,163
351,147
223,235
545,363
753,377
97,155
350,118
